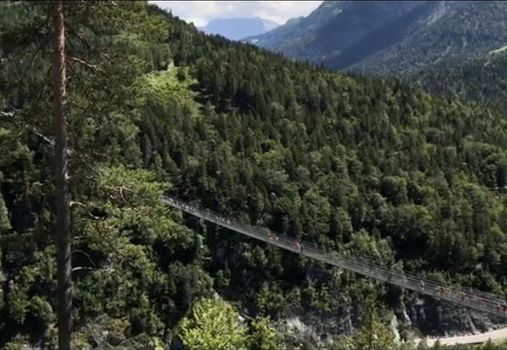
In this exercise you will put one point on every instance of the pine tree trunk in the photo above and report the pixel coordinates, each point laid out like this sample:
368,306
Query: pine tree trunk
62,231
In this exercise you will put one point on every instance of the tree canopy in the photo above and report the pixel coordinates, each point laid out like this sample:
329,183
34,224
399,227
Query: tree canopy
357,164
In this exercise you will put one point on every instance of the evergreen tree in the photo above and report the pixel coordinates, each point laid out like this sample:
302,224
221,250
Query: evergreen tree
213,324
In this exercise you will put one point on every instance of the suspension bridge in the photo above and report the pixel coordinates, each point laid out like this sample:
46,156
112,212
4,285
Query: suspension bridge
474,299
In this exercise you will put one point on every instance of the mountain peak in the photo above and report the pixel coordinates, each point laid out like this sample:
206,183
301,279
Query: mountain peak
237,28
386,36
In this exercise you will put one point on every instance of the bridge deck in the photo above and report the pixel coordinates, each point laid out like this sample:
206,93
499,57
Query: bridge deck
473,299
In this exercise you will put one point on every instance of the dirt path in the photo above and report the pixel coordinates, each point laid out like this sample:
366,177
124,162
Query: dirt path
496,335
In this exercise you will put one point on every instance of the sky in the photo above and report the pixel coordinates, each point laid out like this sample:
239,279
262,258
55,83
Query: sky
201,12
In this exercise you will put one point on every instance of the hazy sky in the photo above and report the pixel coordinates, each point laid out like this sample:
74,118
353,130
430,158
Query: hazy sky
200,12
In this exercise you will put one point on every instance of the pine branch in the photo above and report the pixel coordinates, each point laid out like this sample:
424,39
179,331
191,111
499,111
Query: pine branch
86,64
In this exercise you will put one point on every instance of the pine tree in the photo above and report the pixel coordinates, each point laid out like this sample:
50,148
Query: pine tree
62,226
213,324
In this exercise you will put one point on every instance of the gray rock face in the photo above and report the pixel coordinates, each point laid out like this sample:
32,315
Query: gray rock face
317,329
420,316
434,318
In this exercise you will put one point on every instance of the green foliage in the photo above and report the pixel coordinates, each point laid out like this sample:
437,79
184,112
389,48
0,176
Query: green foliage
354,164
490,345
264,336
374,333
4,216
213,324
480,80
130,237
125,240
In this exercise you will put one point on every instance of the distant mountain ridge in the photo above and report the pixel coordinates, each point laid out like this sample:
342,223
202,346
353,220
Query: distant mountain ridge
391,36
239,28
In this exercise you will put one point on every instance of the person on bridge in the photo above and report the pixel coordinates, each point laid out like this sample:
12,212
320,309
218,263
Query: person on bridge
299,247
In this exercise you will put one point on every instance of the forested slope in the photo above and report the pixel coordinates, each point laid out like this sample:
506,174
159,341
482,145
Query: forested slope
454,33
357,164
480,80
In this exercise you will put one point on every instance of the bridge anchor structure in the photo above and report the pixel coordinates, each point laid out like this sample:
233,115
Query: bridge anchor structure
473,299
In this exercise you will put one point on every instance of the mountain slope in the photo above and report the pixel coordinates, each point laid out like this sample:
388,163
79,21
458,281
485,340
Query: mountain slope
239,28
454,33
354,164
482,79
387,37
332,28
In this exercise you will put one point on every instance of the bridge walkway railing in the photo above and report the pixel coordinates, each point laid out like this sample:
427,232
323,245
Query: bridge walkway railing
477,300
